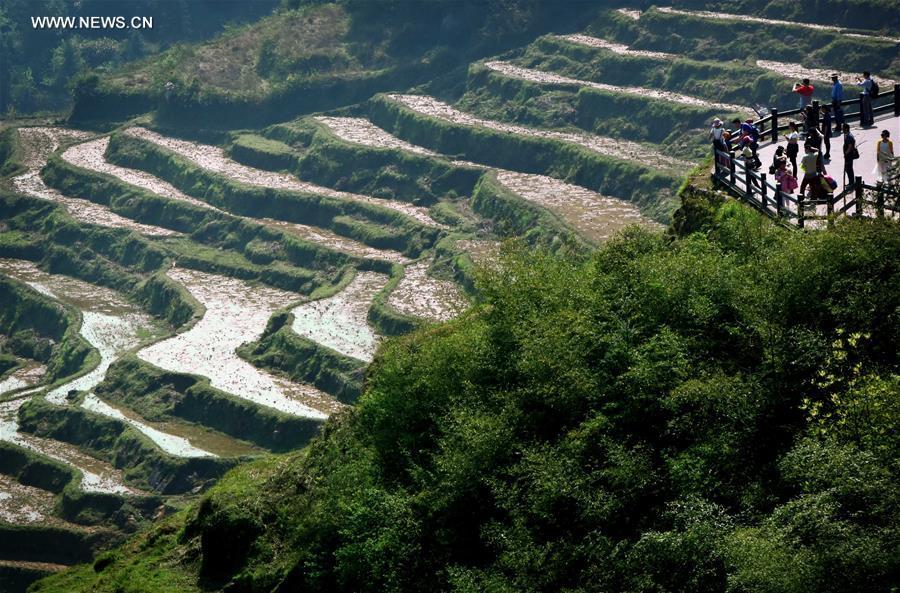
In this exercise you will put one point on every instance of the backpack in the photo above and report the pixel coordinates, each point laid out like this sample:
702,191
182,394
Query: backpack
831,182
754,133
873,90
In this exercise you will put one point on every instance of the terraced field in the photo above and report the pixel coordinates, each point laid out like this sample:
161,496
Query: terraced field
212,300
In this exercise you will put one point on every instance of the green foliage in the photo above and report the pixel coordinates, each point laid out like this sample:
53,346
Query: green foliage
711,413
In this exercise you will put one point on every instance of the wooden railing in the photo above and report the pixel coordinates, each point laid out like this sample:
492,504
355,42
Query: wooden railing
888,101
757,190
765,195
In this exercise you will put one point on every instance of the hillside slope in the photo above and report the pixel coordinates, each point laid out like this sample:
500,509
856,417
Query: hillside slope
716,413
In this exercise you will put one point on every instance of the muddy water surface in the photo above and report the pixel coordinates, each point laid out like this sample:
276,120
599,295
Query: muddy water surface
339,322
595,216
236,312
22,504
421,295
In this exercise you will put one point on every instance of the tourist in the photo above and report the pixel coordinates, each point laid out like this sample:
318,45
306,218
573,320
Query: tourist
826,131
778,159
814,138
717,135
884,156
749,136
810,164
837,91
805,90
785,181
850,155
793,144
867,118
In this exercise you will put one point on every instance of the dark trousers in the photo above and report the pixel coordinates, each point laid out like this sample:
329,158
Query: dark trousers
814,186
826,138
867,118
848,171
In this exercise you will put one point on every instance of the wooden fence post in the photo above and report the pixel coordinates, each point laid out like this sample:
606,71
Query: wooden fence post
748,181
858,188
829,208
775,118
879,201
732,177
779,199
815,113
800,210
764,199
897,100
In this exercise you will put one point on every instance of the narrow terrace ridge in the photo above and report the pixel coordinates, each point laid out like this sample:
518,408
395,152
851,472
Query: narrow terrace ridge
420,295
621,149
214,159
549,78
799,71
38,144
97,475
618,48
725,16
340,322
632,14
91,156
236,312
590,213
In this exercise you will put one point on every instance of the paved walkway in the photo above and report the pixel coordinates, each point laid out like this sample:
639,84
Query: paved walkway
866,140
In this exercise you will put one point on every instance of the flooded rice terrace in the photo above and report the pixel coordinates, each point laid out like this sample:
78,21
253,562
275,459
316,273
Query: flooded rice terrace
339,322
90,155
595,216
214,159
799,72
23,504
38,144
420,295
97,476
542,77
30,373
236,312
109,323
618,48
623,149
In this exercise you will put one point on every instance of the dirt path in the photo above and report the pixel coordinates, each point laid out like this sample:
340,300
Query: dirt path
541,77
236,312
612,147
214,159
